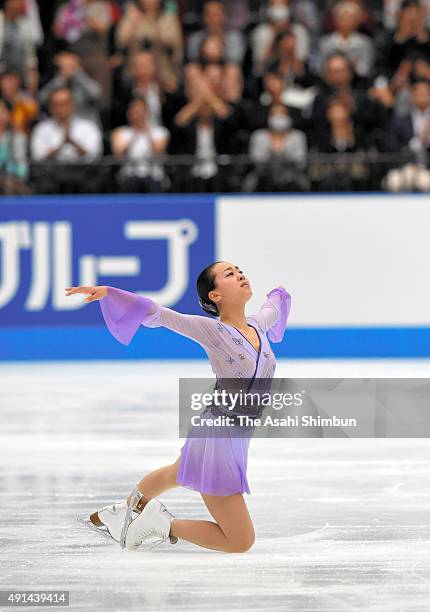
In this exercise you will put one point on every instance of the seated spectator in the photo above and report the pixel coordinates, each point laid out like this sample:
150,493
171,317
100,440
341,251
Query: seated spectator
411,132
211,50
391,10
85,25
298,81
265,34
279,152
341,136
286,62
23,107
226,78
204,127
17,42
411,38
86,91
371,108
138,144
366,26
357,47
214,22
62,142
409,72
256,113
140,81
13,156
146,25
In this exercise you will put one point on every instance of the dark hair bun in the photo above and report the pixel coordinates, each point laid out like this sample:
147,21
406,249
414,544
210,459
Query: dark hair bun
208,307
204,285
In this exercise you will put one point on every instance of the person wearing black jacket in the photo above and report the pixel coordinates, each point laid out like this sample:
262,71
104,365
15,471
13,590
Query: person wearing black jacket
205,128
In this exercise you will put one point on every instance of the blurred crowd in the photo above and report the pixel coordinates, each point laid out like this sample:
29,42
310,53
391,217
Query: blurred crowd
152,95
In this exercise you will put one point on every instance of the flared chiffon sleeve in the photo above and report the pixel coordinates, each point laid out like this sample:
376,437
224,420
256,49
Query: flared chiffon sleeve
273,314
124,311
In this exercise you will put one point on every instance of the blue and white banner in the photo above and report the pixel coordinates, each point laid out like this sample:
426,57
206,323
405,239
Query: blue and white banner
356,267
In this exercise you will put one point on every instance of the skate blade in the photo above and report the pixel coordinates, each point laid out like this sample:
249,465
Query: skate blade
87,522
135,495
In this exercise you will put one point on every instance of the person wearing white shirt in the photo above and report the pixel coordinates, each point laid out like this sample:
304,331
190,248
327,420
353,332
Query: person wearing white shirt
138,145
65,138
357,47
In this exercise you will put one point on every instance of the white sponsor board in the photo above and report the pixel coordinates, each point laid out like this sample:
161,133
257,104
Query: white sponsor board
347,260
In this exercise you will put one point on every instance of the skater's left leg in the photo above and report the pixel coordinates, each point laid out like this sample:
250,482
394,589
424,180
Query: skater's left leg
233,530
159,481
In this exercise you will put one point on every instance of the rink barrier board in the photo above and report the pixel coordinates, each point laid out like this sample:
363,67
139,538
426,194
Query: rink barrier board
95,343
89,341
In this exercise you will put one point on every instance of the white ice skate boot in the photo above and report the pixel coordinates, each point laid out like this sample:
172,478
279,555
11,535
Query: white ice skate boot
109,520
112,518
154,521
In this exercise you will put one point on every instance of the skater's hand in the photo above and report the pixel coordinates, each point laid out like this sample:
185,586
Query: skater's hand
94,293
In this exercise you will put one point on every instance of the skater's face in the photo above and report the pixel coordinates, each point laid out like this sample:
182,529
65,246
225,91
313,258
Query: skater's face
232,287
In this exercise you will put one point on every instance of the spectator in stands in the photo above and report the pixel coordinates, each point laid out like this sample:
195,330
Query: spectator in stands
204,127
140,81
411,38
409,135
264,35
212,53
357,47
138,145
21,104
341,136
147,25
411,132
254,113
86,91
295,73
229,83
17,41
68,143
214,22
371,108
367,24
410,71
85,25
13,156
212,50
270,148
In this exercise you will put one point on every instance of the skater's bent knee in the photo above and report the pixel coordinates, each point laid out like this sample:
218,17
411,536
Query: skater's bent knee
242,545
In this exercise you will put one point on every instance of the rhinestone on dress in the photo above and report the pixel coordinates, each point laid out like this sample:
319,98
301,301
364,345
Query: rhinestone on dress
238,340
241,355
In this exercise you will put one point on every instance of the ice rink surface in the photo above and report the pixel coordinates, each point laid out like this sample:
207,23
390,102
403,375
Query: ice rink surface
341,524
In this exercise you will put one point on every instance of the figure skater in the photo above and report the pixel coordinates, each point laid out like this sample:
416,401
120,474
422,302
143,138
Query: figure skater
237,347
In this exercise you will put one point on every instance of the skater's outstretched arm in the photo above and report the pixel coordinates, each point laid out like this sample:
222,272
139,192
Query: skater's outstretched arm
272,316
124,311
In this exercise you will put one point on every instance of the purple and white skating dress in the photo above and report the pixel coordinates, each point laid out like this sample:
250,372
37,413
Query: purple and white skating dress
212,465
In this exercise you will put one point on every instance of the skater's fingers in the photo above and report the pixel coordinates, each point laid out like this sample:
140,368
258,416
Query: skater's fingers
84,290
